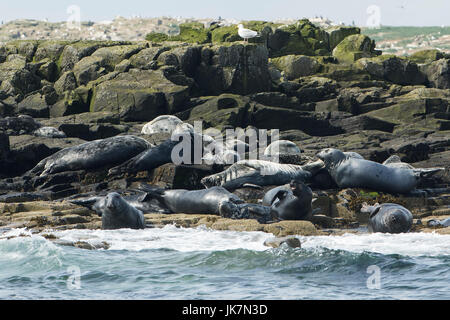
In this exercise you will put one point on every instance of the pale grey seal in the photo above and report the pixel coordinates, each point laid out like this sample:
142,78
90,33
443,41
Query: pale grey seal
261,173
116,213
91,155
388,218
165,124
350,172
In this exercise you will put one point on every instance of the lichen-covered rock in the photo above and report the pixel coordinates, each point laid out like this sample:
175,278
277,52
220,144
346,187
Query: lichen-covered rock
220,111
193,32
235,68
15,77
427,56
338,33
139,95
296,66
302,38
438,73
66,82
354,47
35,106
393,69
72,102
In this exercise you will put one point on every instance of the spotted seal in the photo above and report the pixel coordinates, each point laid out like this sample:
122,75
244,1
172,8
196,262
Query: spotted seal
261,173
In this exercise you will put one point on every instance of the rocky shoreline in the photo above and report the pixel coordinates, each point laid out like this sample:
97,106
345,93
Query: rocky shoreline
320,88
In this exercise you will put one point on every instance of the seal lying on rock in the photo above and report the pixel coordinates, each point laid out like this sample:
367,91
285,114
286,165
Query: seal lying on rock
261,173
162,153
116,213
350,172
290,202
388,218
439,223
283,147
166,124
91,155
215,200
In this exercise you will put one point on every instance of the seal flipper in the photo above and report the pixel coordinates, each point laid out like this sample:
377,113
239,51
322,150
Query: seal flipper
426,172
87,203
151,192
251,185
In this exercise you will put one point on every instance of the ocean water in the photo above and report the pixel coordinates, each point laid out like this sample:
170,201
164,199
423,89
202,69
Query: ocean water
179,263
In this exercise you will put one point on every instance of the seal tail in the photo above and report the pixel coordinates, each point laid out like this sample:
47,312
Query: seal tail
427,172
152,192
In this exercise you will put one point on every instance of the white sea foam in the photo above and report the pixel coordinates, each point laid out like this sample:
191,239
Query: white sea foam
407,244
170,237
205,239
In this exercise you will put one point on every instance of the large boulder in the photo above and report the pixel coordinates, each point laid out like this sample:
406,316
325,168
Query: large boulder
302,38
235,68
427,56
393,69
102,61
34,105
296,66
15,77
338,33
354,47
139,95
220,111
438,73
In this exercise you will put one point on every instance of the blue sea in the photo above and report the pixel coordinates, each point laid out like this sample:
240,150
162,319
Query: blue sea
199,263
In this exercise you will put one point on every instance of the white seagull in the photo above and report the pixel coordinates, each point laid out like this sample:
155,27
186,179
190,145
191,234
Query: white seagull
246,33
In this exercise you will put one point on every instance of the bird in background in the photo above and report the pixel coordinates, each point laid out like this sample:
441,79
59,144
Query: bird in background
246,33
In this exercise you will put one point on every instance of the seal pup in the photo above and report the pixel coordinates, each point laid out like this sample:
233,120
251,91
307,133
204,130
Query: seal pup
290,202
388,218
261,173
91,155
350,172
116,213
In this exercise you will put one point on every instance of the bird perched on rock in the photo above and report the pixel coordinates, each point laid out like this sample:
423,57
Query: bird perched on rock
246,33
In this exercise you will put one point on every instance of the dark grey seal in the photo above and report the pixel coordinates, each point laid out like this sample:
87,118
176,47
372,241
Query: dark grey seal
116,213
261,173
215,200
350,172
290,202
91,155
388,218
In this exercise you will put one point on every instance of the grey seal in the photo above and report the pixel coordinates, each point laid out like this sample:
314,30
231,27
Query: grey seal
215,200
261,173
165,124
91,155
116,213
290,202
388,218
283,147
49,132
439,223
350,172
162,153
